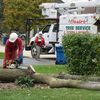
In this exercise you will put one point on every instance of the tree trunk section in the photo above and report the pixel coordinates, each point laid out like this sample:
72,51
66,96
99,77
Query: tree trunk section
58,83
78,77
10,75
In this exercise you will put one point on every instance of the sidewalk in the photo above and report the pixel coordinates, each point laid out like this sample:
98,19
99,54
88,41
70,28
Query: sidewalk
2,48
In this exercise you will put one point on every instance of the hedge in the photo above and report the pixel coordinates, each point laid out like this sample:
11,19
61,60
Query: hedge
83,53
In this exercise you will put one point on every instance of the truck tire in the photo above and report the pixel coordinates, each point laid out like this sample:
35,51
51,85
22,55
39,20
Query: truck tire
33,51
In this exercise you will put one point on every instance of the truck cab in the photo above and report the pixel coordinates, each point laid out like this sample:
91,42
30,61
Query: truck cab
50,35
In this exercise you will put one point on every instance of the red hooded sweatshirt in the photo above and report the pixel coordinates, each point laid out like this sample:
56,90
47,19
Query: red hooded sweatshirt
12,50
40,41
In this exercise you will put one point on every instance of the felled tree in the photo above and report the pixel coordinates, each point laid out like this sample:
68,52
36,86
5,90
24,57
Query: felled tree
9,75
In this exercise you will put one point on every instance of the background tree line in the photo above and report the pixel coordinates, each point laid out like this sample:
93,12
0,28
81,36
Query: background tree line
13,13
1,13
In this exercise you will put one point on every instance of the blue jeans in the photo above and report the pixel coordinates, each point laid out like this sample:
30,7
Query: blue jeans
20,59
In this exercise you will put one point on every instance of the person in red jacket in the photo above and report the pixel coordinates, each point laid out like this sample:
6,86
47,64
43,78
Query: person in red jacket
39,43
13,50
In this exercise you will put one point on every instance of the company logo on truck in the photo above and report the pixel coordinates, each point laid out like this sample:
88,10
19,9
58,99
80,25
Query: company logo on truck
76,20
80,23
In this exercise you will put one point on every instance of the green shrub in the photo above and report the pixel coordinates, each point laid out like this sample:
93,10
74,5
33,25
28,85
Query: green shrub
83,53
25,81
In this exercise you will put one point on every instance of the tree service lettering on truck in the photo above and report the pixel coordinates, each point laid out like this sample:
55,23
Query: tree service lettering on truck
78,28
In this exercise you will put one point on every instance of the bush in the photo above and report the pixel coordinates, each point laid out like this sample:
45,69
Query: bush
83,52
25,81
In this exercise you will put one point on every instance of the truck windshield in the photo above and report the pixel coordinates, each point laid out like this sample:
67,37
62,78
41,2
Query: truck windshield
46,29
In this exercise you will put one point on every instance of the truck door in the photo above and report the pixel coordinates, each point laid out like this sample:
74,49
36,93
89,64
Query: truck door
53,33
45,32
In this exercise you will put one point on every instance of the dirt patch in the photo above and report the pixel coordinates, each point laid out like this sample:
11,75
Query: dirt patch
8,86
14,86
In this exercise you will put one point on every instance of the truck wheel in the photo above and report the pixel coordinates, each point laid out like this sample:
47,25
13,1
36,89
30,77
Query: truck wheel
33,51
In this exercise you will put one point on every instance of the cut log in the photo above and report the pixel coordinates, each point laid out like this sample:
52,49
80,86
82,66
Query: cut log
79,77
10,75
58,83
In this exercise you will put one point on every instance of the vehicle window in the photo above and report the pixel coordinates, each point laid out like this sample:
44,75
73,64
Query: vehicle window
46,29
55,28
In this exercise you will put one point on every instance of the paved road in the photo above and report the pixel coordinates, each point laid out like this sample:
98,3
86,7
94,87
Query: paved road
38,62
31,61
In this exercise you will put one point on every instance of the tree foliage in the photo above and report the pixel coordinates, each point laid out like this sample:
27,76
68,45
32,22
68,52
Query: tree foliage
1,9
1,13
17,11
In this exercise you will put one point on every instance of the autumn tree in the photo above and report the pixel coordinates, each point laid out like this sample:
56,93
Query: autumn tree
17,11
1,9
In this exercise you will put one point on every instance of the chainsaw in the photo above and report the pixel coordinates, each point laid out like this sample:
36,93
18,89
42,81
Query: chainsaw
12,64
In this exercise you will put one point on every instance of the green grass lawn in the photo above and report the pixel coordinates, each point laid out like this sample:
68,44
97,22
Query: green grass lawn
50,68
49,94
1,55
